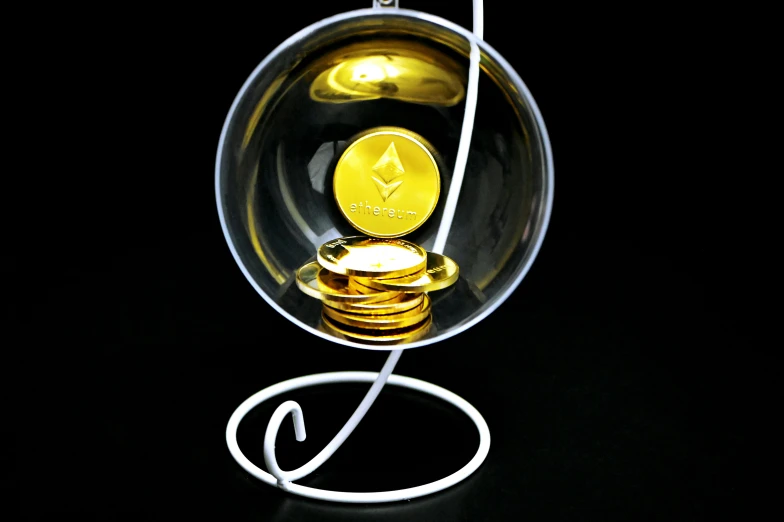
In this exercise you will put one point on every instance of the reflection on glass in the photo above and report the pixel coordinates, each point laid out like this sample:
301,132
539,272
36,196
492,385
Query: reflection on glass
390,69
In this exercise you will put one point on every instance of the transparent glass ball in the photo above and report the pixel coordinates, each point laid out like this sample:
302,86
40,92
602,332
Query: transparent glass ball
360,70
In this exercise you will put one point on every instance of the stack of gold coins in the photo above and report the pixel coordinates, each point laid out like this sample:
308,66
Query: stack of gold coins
375,289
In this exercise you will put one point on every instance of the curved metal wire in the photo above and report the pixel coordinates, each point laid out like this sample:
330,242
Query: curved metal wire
299,429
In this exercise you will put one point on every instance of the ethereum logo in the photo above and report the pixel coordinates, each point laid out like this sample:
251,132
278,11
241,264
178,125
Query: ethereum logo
387,169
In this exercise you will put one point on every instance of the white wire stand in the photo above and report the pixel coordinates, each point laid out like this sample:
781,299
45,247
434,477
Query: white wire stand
285,479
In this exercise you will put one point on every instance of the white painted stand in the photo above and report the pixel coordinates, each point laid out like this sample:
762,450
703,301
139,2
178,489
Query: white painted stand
284,479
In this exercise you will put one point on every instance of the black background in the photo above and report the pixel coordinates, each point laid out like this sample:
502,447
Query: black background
616,379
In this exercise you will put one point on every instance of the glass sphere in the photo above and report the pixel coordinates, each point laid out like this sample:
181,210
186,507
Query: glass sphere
340,78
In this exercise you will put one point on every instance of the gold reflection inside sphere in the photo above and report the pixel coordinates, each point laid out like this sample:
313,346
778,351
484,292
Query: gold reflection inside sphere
404,71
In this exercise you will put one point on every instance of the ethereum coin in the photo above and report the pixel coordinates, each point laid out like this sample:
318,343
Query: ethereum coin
386,183
372,257
381,322
402,303
322,284
410,333
441,272
357,287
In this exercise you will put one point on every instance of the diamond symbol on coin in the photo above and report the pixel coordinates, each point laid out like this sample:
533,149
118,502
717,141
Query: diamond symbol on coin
388,168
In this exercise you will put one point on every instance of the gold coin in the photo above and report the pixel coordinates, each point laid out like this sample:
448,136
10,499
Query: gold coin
386,183
441,272
322,284
409,334
357,287
340,305
381,322
372,257
402,303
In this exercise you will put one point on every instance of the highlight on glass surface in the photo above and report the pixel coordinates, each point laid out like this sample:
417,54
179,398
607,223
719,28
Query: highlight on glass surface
392,69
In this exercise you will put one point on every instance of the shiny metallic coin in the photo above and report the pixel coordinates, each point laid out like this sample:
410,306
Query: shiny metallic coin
410,333
381,322
355,286
441,272
386,183
322,284
339,304
372,257
402,303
